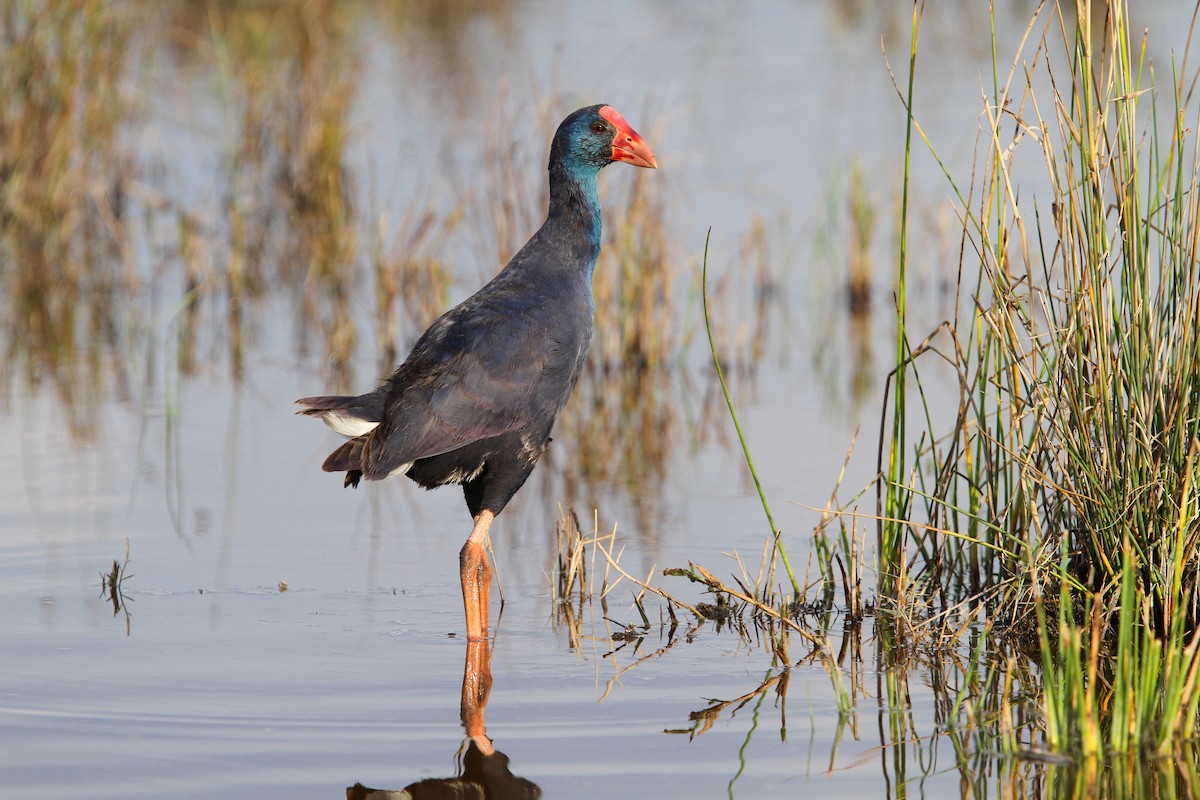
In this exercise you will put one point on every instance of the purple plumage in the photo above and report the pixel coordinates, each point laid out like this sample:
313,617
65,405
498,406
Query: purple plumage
475,401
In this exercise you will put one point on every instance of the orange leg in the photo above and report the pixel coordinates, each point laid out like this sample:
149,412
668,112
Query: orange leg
475,572
476,686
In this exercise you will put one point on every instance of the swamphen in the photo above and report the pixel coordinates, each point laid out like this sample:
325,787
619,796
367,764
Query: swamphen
476,398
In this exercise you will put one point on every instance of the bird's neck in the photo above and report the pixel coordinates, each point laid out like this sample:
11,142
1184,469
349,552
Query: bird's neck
575,210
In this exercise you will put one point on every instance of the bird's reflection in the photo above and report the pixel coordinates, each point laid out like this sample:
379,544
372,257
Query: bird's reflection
484,770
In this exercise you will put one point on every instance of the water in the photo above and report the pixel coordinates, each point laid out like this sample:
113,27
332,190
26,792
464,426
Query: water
283,637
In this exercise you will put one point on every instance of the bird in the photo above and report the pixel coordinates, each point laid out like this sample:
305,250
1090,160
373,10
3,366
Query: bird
476,399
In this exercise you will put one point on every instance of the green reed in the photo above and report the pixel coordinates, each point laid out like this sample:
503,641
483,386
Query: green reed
895,498
1062,496
775,532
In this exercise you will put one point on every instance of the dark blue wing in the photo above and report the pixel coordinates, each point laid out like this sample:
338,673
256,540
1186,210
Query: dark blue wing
488,367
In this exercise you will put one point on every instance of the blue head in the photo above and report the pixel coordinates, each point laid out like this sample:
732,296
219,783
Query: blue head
592,138
587,141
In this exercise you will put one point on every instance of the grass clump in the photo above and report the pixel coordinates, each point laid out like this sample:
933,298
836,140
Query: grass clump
62,197
1062,499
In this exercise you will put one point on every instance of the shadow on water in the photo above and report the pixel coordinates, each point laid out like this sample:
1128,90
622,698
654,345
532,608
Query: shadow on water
484,770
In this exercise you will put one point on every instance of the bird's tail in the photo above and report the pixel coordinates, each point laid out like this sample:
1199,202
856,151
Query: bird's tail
349,416
348,459
315,406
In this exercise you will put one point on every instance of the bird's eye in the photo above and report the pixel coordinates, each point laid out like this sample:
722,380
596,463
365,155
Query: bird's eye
597,127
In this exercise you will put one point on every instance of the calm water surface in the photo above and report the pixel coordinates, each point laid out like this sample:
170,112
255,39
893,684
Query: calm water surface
218,684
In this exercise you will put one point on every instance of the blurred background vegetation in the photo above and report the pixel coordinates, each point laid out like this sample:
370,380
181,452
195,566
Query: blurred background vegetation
121,261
